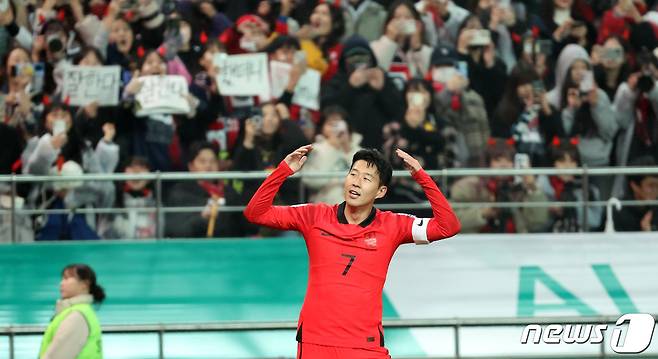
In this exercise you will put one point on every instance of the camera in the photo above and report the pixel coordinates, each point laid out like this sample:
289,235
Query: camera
54,43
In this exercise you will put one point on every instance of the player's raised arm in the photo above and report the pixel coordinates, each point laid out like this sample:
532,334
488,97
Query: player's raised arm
260,209
444,223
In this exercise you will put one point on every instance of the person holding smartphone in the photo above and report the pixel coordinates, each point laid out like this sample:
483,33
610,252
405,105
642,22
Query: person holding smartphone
268,135
486,72
403,46
525,114
610,66
364,90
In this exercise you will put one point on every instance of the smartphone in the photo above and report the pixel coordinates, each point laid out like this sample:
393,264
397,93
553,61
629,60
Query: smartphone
538,87
480,38
544,47
38,79
587,83
462,68
613,54
521,160
409,27
59,127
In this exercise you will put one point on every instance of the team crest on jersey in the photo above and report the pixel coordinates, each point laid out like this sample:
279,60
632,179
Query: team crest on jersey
371,240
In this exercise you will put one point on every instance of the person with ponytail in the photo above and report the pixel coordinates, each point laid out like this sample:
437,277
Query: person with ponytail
74,331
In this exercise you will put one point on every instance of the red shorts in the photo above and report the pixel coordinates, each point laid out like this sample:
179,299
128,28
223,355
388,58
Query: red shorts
315,351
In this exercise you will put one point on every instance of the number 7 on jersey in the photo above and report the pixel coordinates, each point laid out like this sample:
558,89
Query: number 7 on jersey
349,264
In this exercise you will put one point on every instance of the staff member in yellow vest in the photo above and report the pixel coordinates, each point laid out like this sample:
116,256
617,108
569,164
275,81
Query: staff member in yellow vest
74,331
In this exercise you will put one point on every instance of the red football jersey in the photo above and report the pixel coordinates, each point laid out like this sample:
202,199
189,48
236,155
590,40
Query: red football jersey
348,262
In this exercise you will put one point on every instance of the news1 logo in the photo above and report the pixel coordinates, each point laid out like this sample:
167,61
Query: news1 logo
637,336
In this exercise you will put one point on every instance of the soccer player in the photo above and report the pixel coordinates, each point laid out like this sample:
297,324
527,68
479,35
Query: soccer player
350,246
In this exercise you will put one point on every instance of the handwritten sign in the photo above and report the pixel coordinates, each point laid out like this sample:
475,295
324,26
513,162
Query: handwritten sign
307,90
162,95
86,84
243,75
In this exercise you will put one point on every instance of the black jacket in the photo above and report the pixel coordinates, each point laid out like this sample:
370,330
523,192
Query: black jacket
369,109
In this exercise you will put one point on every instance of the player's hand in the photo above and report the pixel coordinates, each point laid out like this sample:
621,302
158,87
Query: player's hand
297,159
410,163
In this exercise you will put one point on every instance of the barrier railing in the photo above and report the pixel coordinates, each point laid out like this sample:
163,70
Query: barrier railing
443,177
456,324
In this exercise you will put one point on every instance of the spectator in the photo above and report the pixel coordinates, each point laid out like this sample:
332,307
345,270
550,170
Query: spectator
63,226
636,104
210,222
429,139
150,136
365,91
277,15
565,22
641,188
619,20
249,34
332,151
133,195
403,47
446,18
525,114
589,115
486,72
364,18
611,67
89,119
320,39
19,108
496,16
461,107
569,188
268,137
500,155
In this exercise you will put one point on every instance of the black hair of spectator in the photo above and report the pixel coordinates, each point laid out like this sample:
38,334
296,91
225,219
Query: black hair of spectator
84,273
375,158
416,84
468,19
87,50
560,151
642,161
414,13
511,106
5,72
498,148
138,161
283,42
148,53
337,29
334,110
197,147
643,37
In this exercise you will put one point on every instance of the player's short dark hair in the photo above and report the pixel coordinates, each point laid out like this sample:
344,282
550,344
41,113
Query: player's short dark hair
377,159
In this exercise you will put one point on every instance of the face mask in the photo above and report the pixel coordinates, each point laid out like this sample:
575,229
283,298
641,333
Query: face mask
186,34
248,45
443,74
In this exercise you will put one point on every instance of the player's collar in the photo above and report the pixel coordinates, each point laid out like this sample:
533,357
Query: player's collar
343,220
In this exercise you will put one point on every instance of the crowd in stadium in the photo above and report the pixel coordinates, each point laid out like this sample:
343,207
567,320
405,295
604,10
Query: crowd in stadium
456,83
